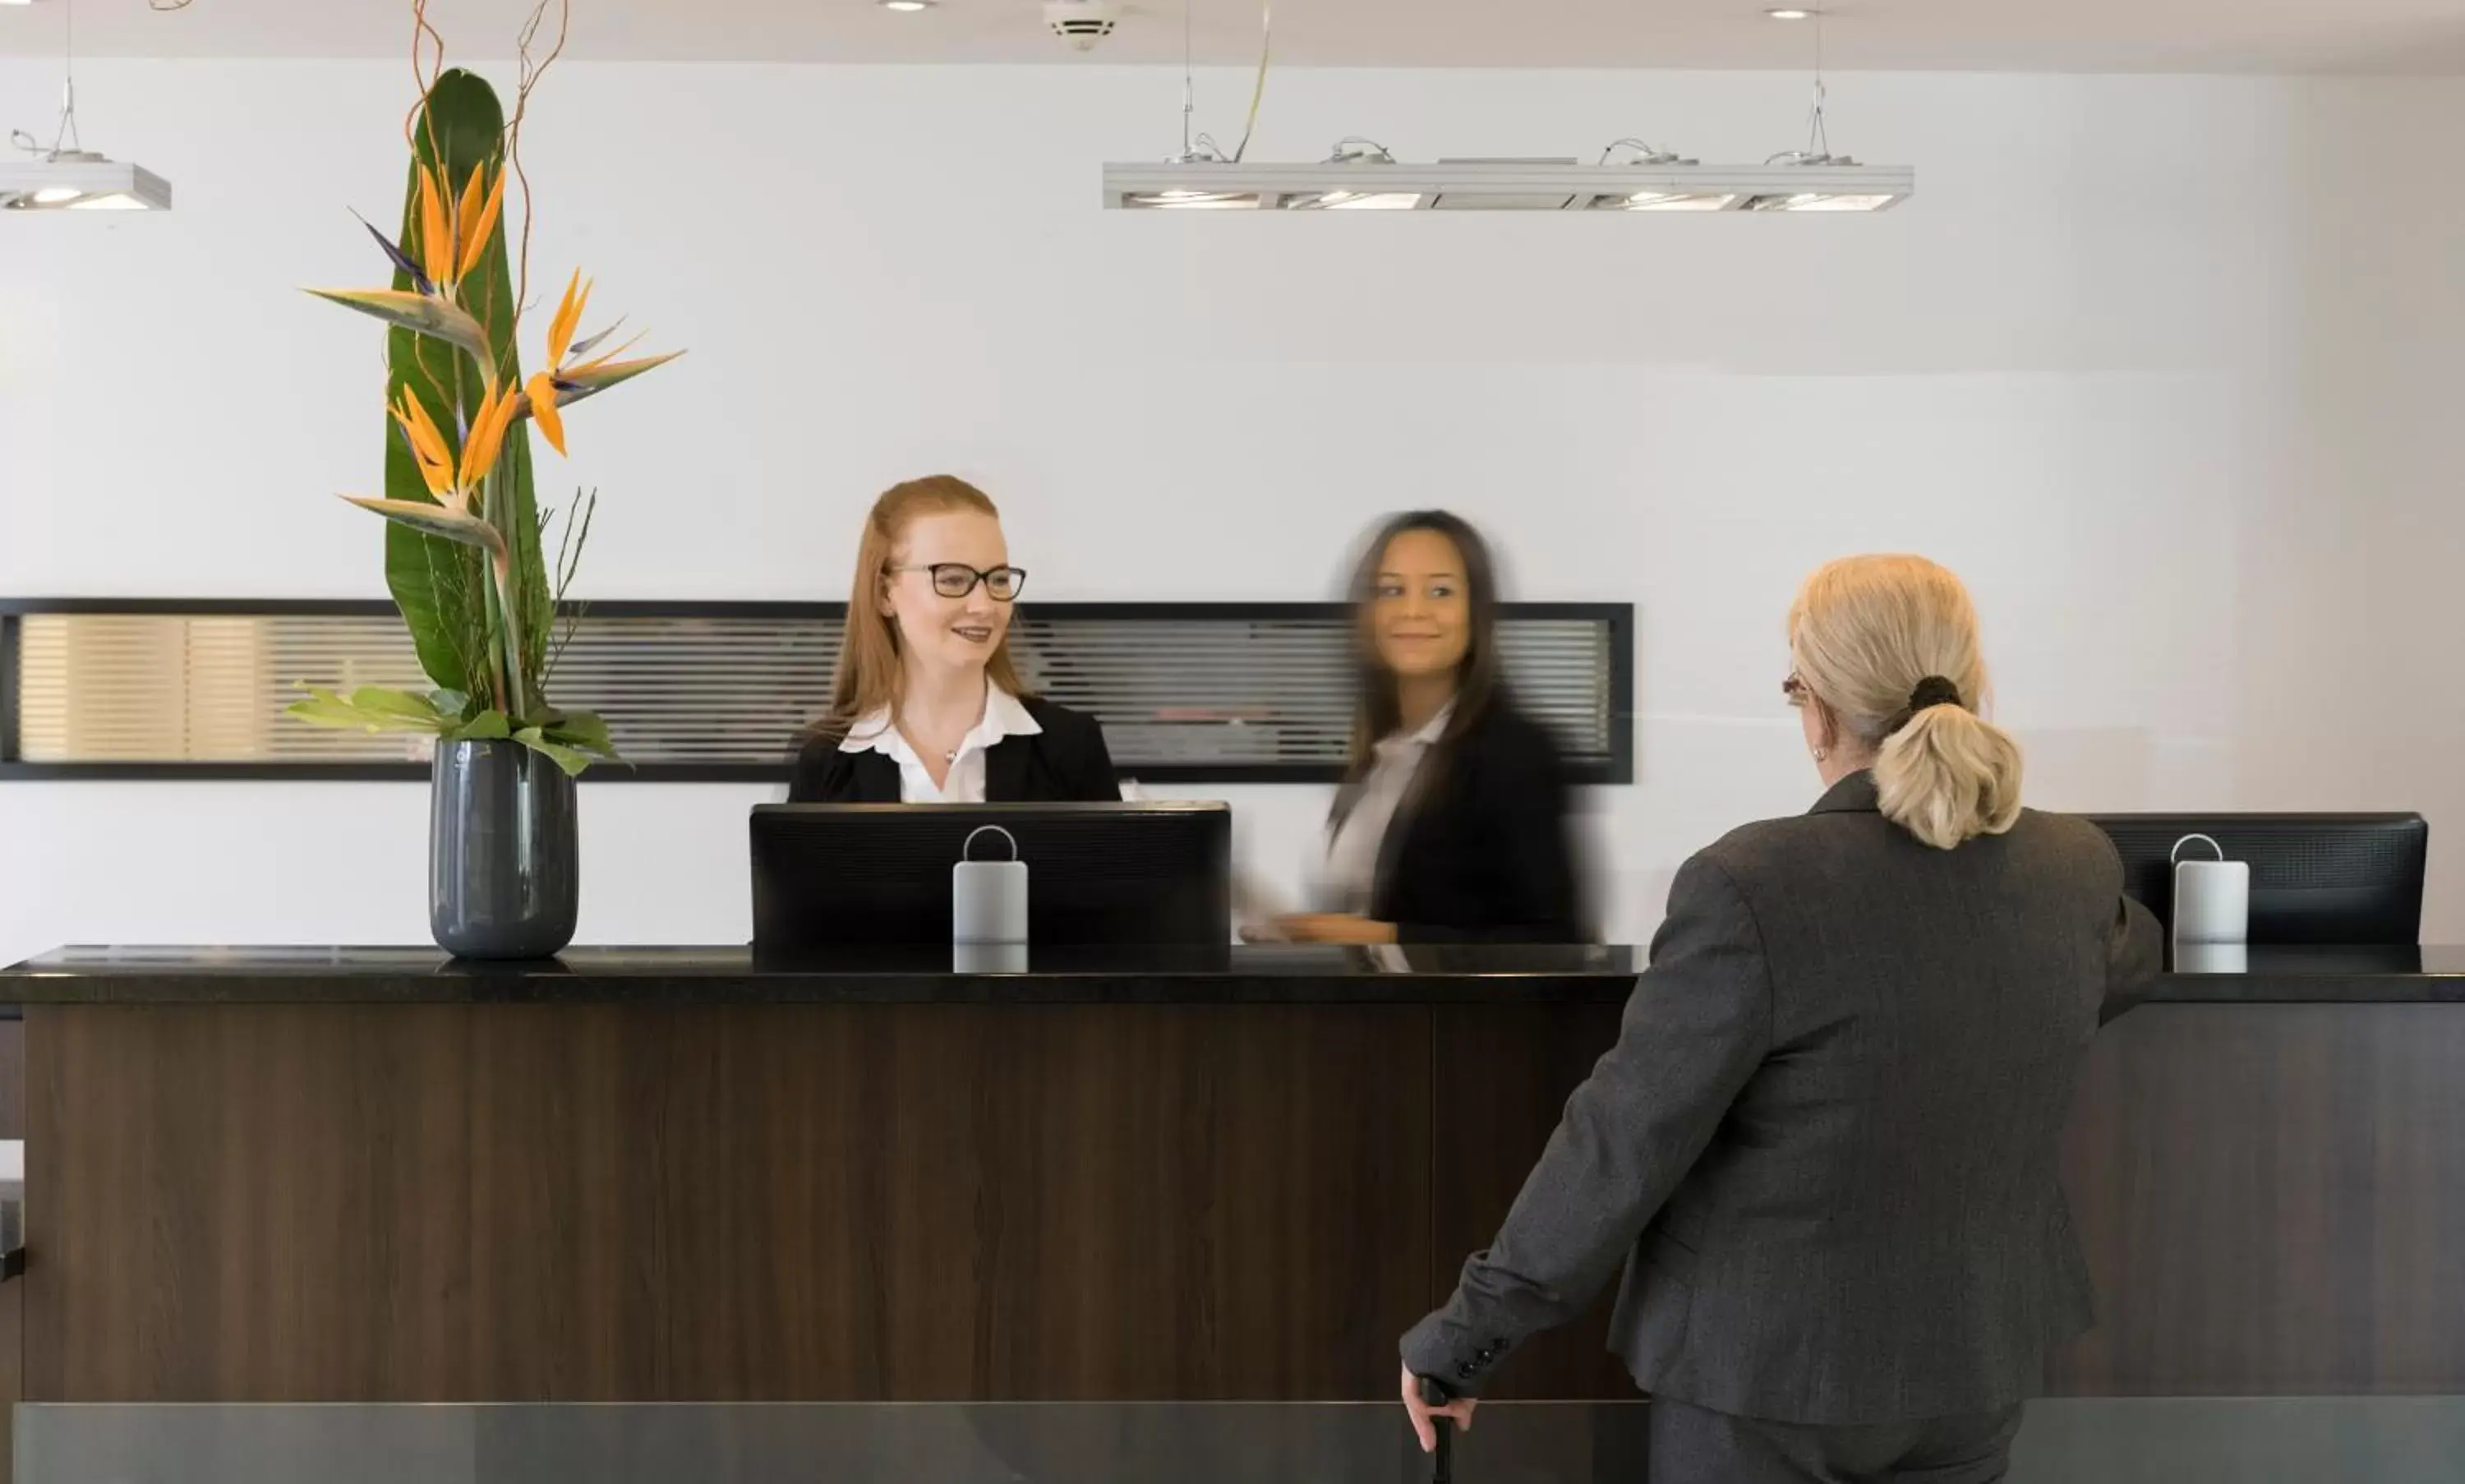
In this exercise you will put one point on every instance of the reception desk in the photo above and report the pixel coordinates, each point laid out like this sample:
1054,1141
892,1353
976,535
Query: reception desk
684,1175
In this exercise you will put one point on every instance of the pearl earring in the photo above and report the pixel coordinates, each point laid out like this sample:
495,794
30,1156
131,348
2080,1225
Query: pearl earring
1822,754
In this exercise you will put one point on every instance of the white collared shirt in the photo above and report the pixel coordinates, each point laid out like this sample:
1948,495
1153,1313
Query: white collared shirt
1352,855
965,783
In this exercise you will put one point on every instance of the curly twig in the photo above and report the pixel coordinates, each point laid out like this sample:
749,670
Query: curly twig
530,73
421,30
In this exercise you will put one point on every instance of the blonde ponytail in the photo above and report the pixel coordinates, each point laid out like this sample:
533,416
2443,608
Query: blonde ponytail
1948,776
1889,644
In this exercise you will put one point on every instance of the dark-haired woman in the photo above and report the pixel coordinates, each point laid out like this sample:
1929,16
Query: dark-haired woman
1451,824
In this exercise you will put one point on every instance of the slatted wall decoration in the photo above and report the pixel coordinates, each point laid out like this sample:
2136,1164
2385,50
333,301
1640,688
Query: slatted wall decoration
718,692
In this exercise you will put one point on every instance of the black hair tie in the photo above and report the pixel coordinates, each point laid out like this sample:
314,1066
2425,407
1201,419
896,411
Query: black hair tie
1931,692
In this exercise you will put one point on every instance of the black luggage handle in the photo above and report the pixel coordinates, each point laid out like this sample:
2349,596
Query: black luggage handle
1442,1468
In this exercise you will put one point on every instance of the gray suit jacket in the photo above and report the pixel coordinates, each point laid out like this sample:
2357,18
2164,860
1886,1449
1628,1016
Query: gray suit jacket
1825,1145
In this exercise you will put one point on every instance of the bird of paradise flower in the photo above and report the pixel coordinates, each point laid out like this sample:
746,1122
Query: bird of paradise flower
459,459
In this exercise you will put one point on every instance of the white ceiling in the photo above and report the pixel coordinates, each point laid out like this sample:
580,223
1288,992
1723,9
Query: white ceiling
2047,35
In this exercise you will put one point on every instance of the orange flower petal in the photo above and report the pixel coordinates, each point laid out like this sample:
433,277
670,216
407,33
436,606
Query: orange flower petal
476,235
502,423
551,422
569,315
466,213
435,241
427,448
425,436
480,447
438,478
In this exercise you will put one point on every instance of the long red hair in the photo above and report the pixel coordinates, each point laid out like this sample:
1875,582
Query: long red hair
870,666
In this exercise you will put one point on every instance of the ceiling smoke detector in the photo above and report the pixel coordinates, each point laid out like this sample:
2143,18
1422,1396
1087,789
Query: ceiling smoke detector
1083,23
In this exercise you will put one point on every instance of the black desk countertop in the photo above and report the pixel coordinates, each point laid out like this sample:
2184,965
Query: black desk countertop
2324,974
1234,975
1262,974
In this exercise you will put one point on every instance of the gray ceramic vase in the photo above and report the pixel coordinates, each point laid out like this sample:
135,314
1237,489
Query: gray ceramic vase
504,869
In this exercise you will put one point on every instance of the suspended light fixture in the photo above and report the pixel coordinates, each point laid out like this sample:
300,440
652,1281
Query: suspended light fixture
1200,150
1646,155
1632,176
1357,151
67,176
1832,192
1506,185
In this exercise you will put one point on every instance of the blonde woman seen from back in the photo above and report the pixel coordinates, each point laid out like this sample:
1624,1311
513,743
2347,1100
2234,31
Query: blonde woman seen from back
1941,771
1825,1148
927,706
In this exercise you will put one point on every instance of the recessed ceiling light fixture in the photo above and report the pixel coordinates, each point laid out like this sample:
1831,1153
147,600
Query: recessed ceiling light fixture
1790,13
907,6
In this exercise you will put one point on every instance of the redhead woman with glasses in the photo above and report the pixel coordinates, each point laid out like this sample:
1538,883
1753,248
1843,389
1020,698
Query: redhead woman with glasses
927,706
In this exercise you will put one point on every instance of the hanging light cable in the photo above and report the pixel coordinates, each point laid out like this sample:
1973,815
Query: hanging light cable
1199,149
1817,154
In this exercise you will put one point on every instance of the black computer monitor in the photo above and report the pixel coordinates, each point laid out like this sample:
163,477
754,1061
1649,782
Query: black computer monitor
2315,879
830,875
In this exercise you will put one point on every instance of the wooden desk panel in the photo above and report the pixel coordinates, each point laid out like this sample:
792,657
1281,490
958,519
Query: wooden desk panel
1061,1203
2272,1197
602,1203
1503,1073
247,1202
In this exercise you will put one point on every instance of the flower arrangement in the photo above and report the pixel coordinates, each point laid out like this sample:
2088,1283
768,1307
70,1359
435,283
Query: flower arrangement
465,549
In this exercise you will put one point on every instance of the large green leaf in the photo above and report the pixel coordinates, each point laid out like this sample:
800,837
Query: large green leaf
370,709
485,645
585,729
486,726
442,586
584,732
566,758
395,703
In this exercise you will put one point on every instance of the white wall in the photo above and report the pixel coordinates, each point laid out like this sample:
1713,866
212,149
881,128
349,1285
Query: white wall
2165,366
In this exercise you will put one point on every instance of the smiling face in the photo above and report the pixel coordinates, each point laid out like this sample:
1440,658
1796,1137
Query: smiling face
1420,610
935,632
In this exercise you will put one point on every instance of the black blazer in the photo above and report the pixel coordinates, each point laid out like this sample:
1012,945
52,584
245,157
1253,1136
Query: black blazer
1479,851
1065,763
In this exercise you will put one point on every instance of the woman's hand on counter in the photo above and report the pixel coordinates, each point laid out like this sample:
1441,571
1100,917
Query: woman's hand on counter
1334,927
1424,1416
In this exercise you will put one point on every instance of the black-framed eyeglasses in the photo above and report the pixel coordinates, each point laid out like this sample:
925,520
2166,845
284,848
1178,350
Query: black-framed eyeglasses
957,579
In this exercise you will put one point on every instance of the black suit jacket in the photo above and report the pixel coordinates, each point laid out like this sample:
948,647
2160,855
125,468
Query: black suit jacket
1479,851
1064,764
1827,1144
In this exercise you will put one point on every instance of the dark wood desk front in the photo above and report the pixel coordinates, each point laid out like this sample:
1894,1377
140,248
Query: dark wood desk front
678,1174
